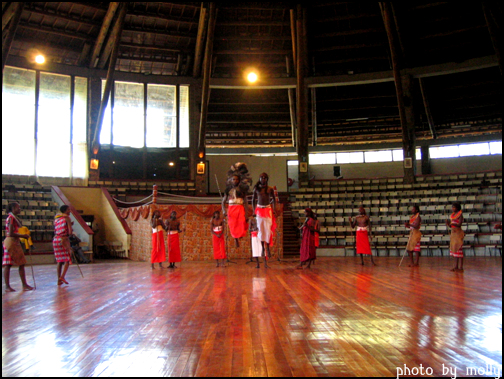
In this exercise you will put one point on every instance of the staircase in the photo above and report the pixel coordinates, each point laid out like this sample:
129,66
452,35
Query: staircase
290,231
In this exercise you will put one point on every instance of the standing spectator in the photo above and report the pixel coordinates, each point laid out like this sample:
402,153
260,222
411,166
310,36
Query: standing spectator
457,236
13,253
61,242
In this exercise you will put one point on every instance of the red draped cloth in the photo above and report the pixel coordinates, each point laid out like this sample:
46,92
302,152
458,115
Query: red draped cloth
237,221
219,250
174,248
362,242
158,254
308,250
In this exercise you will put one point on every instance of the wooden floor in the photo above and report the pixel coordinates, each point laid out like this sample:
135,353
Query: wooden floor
337,319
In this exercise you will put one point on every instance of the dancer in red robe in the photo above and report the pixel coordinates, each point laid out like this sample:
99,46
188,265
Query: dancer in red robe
172,227
218,239
238,185
308,249
362,222
158,254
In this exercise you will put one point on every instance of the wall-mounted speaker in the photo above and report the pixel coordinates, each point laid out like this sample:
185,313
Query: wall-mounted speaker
337,171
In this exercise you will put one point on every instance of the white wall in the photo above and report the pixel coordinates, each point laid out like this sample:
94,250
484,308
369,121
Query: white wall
276,168
92,202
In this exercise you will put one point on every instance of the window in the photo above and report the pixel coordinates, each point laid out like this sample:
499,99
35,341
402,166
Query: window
128,115
354,157
184,116
398,155
79,130
52,141
18,121
474,149
326,158
106,128
444,152
161,116
496,147
53,128
378,156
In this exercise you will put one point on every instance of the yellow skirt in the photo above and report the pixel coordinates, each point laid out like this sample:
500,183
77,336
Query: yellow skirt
414,238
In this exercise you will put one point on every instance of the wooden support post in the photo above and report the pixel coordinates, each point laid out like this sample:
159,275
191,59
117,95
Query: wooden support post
301,95
114,39
110,78
493,16
314,115
12,19
293,34
292,103
205,97
109,16
426,163
428,112
202,30
403,92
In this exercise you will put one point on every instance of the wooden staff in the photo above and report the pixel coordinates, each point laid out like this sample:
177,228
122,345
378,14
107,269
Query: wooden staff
31,266
73,255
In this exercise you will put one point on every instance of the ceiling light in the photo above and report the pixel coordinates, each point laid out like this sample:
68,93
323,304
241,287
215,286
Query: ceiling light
252,77
40,59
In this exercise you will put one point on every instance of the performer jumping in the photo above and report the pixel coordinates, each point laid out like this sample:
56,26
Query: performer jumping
238,185
257,248
172,227
158,254
265,215
363,223
218,239
457,236
415,235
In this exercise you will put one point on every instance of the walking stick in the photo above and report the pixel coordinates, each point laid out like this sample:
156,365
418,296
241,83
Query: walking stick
404,254
73,255
31,266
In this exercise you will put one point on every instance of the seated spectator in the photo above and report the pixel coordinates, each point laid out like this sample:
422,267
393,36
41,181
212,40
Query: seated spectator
79,253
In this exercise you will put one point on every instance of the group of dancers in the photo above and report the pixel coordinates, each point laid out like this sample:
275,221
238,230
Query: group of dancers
262,227
413,247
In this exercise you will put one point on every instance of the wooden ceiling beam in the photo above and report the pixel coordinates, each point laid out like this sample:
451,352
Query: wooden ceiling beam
253,38
60,32
9,10
171,60
200,40
253,52
171,33
114,37
10,30
112,9
254,23
152,47
114,40
38,10
138,13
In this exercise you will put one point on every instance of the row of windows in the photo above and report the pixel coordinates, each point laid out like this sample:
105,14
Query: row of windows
435,152
150,115
44,121
44,124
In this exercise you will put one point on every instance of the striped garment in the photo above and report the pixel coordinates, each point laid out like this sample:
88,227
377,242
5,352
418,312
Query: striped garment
61,243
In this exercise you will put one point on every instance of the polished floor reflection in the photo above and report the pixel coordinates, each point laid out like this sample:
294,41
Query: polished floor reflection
337,319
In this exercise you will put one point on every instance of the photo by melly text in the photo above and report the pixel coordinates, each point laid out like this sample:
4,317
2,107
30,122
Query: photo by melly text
447,371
